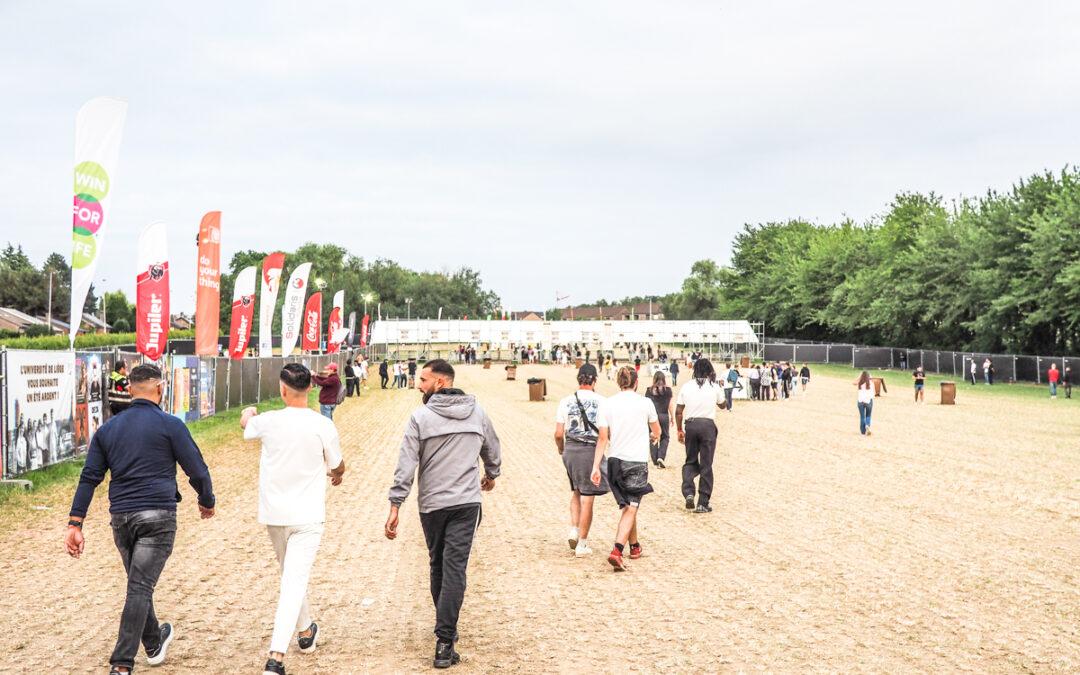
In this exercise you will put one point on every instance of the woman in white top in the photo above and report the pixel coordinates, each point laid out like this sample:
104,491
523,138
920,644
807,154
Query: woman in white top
697,403
866,401
628,427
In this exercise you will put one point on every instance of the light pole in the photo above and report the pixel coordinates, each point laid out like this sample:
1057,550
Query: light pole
368,297
408,309
104,311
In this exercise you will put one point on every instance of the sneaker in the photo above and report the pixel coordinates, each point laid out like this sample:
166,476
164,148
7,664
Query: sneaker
307,644
582,550
660,463
635,551
703,508
615,558
156,656
445,654
690,503
274,667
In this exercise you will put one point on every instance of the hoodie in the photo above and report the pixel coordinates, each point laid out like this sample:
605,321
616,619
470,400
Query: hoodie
443,440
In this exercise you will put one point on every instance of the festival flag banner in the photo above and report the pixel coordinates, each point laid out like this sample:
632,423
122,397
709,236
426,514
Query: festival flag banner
352,323
364,331
292,311
312,323
243,311
99,126
335,331
208,289
152,292
271,281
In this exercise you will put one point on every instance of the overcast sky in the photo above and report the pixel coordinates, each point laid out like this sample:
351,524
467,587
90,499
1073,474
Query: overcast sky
594,148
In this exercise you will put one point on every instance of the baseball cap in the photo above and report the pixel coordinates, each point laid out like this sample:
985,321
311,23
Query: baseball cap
587,369
332,366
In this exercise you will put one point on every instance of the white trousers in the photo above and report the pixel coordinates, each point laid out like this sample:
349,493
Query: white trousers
295,547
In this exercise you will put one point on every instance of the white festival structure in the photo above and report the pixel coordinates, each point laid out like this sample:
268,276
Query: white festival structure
724,337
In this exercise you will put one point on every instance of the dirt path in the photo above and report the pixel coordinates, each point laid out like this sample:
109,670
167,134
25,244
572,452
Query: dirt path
948,541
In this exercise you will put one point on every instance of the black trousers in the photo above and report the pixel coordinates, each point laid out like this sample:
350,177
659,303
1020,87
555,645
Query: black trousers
449,535
383,379
659,449
352,386
145,541
700,450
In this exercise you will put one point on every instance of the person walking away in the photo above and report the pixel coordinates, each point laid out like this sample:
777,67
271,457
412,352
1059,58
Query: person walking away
329,390
755,383
731,379
443,440
766,382
411,382
986,370
628,426
576,433
1053,376
865,400
351,381
663,399
973,371
674,370
786,374
993,372
300,448
920,384
695,421
804,376
140,450
119,389
1066,381
362,371
384,373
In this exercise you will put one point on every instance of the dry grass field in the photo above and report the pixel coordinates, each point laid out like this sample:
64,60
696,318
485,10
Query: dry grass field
949,541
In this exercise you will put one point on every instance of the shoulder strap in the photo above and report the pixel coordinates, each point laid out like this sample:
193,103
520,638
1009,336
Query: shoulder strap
584,416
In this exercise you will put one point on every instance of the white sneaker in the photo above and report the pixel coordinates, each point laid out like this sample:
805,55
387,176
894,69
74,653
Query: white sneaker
572,537
582,550
167,635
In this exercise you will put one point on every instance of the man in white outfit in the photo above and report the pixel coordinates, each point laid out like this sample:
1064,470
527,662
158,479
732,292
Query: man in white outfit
300,448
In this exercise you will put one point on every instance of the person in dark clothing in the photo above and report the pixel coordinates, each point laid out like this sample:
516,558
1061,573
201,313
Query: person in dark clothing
443,441
140,449
674,368
1066,381
329,388
411,382
352,382
661,396
384,373
119,391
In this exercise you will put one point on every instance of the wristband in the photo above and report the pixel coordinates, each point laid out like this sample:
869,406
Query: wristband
75,523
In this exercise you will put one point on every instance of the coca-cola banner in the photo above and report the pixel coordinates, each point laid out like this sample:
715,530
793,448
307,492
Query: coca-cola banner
152,292
312,321
364,331
243,312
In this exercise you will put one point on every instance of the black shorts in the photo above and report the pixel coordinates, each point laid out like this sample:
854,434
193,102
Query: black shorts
624,496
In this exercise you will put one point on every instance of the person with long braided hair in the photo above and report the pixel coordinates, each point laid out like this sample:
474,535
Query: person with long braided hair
697,403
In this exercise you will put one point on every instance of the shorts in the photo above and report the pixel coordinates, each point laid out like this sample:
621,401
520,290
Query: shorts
625,497
805,379
578,459
918,386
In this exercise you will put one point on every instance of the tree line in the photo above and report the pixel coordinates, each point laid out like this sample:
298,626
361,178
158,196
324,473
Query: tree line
997,273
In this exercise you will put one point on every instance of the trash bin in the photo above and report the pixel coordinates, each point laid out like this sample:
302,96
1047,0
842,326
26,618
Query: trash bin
537,388
879,386
948,393
487,363
511,372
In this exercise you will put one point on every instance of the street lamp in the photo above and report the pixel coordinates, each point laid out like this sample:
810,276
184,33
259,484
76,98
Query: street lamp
408,309
367,297
320,283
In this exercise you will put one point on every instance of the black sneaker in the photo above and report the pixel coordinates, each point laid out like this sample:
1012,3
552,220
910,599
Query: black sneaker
690,503
307,644
660,463
273,667
445,654
155,657
703,508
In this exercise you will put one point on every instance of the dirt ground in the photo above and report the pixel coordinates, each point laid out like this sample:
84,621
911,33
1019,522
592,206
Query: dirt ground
948,541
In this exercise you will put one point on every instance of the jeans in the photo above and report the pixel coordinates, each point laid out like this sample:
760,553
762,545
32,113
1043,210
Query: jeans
659,449
1053,389
728,393
674,379
295,547
700,450
864,416
145,541
352,386
327,410
449,535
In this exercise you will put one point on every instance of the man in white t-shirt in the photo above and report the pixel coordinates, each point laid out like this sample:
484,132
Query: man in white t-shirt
576,431
300,448
629,426
696,403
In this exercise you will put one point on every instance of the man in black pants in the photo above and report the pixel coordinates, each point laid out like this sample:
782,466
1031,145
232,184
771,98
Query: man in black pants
697,403
443,439
384,373
140,449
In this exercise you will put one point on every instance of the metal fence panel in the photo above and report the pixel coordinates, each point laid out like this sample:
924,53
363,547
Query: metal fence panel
811,353
221,383
1027,368
841,354
249,376
774,352
872,357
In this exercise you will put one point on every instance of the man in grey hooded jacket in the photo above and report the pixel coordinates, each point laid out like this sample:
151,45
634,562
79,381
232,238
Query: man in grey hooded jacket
443,441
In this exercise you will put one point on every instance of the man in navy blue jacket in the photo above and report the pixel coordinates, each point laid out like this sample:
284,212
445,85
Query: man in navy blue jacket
141,449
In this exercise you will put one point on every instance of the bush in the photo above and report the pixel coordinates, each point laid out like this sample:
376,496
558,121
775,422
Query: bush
83,341
37,331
